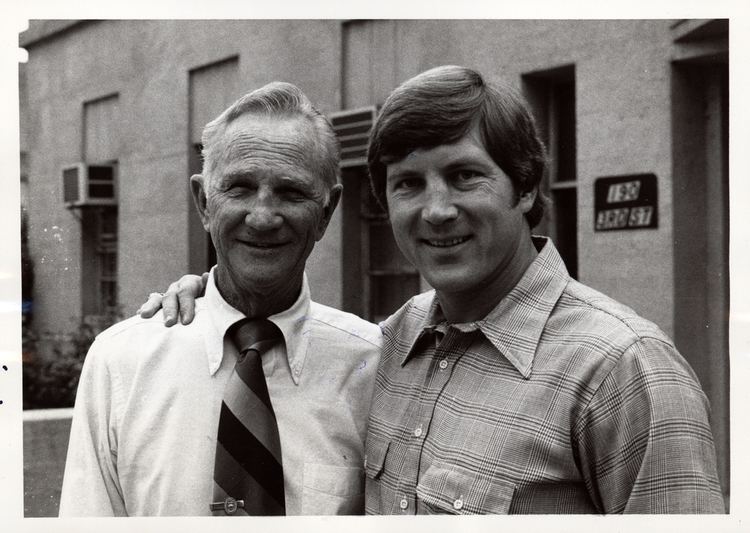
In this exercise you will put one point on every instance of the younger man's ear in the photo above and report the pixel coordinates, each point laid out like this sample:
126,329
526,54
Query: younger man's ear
526,200
198,190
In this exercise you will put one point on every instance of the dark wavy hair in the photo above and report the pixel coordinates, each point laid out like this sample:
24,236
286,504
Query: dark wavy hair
442,105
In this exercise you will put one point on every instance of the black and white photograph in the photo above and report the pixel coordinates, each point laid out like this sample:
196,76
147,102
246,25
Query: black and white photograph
311,266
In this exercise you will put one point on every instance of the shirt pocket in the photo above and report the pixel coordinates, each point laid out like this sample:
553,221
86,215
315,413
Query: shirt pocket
332,489
376,450
451,489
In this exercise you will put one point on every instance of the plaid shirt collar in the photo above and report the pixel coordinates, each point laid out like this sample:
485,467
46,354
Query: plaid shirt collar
515,325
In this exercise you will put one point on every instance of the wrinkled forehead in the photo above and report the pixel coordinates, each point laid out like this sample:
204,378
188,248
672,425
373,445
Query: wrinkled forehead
259,141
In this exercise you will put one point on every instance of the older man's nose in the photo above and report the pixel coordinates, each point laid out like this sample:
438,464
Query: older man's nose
262,215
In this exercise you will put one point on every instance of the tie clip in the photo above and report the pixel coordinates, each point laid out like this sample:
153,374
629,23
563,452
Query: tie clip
229,506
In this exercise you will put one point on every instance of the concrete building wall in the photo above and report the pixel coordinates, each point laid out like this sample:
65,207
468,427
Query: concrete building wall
146,63
623,118
623,127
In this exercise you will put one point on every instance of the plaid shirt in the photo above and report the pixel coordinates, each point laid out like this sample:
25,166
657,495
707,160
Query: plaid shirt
560,401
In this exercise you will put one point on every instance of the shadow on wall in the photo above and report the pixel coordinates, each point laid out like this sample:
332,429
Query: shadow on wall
45,445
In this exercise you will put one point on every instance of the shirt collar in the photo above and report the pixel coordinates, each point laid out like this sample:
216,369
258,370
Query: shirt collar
291,322
515,325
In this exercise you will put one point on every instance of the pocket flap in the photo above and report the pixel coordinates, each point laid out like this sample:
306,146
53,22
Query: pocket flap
457,490
376,450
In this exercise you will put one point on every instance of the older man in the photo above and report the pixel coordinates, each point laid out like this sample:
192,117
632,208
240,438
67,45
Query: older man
512,388
259,406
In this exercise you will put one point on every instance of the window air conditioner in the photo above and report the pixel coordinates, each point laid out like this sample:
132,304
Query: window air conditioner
352,128
89,185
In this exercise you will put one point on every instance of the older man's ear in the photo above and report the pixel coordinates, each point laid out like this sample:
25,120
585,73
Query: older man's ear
333,200
198,189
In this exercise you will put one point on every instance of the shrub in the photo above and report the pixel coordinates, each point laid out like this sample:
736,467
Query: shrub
50,379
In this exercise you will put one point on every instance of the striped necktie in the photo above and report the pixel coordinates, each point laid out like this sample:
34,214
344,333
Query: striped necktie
248,475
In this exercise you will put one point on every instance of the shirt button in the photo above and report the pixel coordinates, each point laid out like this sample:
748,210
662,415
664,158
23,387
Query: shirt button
443,364
458,504
403,503
418,432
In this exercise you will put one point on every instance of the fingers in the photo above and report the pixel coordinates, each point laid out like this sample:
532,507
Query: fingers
178,301
171,305
186,298
152,305
183,296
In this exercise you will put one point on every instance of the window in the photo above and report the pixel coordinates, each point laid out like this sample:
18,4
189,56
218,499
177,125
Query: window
207,256
213,88
377,277
106,252
551,94
390,280
27,269
99,224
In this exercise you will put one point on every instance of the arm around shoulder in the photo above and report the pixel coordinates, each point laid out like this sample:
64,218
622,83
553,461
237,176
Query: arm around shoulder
644,440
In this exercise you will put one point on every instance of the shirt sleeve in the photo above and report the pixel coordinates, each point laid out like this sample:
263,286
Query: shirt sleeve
644,441
90,484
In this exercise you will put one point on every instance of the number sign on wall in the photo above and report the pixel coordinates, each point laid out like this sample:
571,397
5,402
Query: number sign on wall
625,202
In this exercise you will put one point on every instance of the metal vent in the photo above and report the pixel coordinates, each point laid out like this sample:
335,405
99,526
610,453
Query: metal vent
352,128
89,185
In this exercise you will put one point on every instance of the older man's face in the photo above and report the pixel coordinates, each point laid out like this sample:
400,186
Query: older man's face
265,204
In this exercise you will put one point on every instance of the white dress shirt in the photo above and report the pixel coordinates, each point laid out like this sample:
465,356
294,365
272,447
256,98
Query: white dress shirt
143,436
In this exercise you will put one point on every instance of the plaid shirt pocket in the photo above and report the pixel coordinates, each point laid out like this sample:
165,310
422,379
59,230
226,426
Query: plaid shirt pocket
451,489
375,451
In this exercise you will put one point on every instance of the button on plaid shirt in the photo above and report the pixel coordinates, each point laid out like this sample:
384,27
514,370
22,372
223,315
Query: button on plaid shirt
560,401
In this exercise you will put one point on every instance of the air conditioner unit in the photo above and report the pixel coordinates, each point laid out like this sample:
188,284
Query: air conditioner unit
352,128
89,185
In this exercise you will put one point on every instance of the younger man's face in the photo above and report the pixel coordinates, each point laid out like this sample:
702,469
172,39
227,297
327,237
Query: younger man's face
456,216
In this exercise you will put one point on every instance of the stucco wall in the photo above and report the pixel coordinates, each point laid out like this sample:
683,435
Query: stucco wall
622,115
147,63
623,127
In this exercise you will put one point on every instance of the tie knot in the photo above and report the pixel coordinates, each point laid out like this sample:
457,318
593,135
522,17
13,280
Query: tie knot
251,331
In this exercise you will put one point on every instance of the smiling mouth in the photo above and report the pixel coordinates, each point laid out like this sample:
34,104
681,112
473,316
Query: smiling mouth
446,243
263,245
